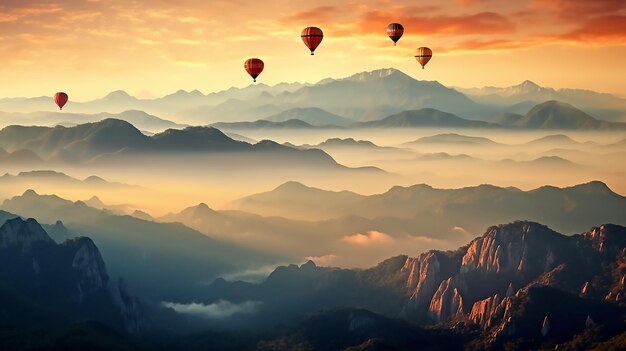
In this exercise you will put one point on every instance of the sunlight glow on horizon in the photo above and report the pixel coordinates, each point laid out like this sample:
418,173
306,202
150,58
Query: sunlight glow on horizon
89,49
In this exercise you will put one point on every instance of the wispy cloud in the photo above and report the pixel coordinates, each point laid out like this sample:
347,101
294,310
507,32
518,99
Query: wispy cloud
220,309
369,238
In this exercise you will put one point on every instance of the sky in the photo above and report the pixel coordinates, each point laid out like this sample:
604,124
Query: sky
151,48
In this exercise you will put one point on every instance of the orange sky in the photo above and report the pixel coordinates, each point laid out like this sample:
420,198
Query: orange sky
155,47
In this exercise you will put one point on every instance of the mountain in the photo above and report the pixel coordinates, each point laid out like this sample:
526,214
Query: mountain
454,139
264,124
347,143
518,97
498,289
115,140
426,117
559,115
50,177
362,97
311,115
558,140
371,95
565,208
43,283
140,119
134,248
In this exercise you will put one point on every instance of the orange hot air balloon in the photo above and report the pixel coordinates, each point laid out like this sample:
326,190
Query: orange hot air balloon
60,99
395,31
423,55
312,37
254,67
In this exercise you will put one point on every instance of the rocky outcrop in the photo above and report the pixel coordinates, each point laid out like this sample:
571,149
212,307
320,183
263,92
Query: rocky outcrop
487,273
70,278
22,234
89,265
519,248
426,274
484,312
447,301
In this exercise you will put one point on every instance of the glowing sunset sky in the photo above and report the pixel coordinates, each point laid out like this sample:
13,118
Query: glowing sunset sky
154,47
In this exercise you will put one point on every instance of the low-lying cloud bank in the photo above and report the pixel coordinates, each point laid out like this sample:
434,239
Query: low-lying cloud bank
219,309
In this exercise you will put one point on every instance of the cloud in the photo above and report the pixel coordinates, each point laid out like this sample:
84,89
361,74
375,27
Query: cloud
478,23
251,275
220,309
369,238
577,10
604,28
316,14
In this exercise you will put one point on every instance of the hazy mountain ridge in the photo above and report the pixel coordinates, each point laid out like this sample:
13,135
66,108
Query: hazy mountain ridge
605,105
366,96
555,206
140,119
137,256
312,115
113,139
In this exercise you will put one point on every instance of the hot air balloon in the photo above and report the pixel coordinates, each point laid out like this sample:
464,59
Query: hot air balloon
254,67
423,55
395,31
312,37
60,99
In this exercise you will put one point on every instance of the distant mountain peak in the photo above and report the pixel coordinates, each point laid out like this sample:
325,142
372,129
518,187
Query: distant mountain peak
291,185
594,186
118,95
529,84
30,193
377,74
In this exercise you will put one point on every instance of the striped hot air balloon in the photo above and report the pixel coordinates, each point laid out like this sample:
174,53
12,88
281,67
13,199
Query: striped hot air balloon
395,31
254,67
423,55
312,37
60,99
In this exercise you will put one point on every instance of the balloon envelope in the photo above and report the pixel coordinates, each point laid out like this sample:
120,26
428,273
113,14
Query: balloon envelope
60,99
423,55
254,67
312,37
395,31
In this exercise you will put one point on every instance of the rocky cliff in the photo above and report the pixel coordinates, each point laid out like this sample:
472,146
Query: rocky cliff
66,282
478,283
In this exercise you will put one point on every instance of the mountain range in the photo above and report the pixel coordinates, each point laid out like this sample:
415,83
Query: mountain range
519,98
470,208
134,248
113,139
140,119
549,115
365,96
520,284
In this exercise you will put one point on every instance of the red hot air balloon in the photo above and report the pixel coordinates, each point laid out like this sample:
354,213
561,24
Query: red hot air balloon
254,67
395,31
312,37
60,99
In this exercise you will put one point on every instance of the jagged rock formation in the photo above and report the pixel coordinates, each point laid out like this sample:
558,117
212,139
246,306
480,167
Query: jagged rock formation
480,283
69,279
